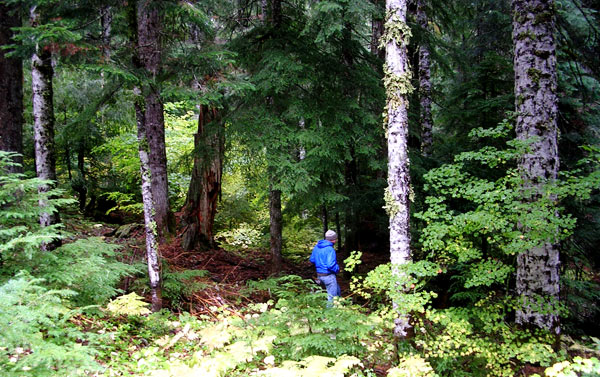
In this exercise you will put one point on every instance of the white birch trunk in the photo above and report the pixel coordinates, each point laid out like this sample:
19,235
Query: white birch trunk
536,106
43,118
398,88
151,232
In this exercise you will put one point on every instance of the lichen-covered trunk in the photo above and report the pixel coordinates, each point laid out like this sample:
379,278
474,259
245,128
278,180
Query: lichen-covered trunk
205,186
275,229
398,88
424,85
149,57
11,91
150,225
536,106
43,119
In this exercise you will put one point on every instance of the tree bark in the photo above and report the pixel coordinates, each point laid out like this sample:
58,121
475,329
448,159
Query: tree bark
424,85
398,89
325,219
377,29
149,55
536,106
152,255
81,186
11,91
201,204
275,229
106,25
43,119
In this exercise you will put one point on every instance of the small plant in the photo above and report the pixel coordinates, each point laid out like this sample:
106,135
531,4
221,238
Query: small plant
242,237
130,304
178,286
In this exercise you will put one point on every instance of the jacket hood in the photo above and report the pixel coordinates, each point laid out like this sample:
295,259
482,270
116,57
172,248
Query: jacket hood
324,243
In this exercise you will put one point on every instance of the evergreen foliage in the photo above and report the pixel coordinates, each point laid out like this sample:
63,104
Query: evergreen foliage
37,336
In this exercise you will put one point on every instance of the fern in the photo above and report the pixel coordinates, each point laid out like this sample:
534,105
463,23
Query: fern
37,337
130,304
305,326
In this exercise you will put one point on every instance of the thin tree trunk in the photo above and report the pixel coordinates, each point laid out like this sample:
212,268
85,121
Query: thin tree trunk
536,105
106,24
275,229
424,85
43,119
150,224
325,222
81,185
152,254
11,91
149,55
398,89
276,12
338,229
264,10
68,161
201,204
377,29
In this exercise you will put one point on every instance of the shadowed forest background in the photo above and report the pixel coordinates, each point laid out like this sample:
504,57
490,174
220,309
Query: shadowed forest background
166,168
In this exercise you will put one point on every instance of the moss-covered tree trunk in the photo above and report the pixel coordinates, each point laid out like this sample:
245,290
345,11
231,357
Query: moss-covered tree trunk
149,58
11,90
424,84
201,204
43,118
536,106
398,88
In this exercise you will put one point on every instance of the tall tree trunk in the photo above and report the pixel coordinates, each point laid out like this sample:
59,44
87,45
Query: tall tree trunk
11,91
276,12
43,118
201,204
275,216
275,230
149,55
106,24
150,224
264,10
325,219
377,29
536,106
81,184
398,89
424,84
152,255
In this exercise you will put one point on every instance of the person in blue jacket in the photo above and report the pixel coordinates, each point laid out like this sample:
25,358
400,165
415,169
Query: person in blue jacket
324,258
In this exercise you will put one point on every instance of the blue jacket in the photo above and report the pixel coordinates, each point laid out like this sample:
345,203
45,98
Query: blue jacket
324,259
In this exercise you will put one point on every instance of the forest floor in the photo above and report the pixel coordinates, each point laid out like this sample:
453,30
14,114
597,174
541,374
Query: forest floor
229,271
